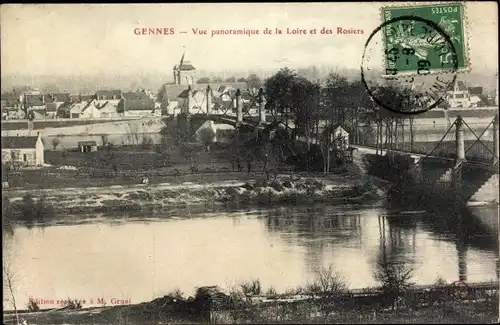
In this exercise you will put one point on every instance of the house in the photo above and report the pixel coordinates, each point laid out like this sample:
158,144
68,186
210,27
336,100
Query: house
340,137
10,104
87,146
114,94
95,109
138,103
24,150
108,109
54,101
34,102
76,109
90,110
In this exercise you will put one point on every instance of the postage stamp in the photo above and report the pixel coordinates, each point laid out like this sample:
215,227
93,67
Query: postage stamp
421,84
420,46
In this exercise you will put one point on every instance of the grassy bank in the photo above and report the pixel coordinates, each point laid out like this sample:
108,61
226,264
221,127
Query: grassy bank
246,303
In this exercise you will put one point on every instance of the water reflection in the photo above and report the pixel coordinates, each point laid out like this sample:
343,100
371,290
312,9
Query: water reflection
144,256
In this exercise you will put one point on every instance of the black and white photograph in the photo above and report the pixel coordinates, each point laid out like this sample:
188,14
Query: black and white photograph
248,163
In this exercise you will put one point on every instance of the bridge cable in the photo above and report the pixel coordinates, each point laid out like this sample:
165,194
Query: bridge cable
435,147
478,139
482,133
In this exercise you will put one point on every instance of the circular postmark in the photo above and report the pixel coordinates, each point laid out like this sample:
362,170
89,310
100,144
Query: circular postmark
419,65
459,290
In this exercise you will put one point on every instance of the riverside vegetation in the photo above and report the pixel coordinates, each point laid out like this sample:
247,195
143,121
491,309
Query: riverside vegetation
29,209
326,299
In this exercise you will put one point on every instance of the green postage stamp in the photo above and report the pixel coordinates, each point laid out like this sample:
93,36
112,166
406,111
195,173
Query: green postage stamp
422,39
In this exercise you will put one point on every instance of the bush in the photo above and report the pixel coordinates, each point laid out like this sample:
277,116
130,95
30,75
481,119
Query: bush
147,142
251,288
261,183
276,184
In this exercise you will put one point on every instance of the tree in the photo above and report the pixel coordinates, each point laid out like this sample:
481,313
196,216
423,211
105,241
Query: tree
203,80
207,137
230,79
327,287
162,98
253,81
104,139
394,278
216,79
9,279
242,80
55,142
282,93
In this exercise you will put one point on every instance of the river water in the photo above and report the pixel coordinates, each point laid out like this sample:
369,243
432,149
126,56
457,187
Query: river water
139,258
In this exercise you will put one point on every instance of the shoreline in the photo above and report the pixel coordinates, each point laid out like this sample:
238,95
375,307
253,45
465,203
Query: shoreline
367,305
138,197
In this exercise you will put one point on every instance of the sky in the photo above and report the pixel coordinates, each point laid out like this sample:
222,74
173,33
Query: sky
94,39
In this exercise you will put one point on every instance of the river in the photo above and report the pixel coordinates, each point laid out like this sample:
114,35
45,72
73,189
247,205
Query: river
139,257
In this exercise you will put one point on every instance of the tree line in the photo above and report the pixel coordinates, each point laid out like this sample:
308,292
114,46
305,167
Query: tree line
316,108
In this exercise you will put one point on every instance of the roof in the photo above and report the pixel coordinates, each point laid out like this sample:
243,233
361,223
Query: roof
186,67
87,143
108,94
51,107
18,142
184,93
87,98
476,90
461,86
58,97
33,100
138,103
173,91
137,95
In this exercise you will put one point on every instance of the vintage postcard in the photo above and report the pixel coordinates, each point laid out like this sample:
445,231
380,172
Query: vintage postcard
231,163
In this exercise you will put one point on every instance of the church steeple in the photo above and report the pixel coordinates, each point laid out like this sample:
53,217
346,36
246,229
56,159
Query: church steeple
184,72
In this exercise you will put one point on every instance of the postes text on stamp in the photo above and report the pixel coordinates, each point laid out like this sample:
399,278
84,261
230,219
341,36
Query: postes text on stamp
416,47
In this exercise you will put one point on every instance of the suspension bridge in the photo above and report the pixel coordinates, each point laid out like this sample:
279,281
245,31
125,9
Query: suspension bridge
463,166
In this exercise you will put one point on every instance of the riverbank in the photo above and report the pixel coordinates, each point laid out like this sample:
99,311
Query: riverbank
429,304
282,190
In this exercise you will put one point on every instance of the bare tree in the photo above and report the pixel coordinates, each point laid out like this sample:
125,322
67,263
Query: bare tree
394,278
328,286
9,278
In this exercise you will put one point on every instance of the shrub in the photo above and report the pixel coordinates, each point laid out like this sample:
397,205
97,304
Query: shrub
394,279
251,288
277,185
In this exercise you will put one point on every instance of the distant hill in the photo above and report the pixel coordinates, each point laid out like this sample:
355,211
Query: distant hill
90,83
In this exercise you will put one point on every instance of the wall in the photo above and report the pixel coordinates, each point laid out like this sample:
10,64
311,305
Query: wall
71,141
30,155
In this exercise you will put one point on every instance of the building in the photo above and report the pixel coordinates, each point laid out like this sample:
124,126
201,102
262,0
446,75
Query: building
10,105
87,146
462,96
106,95
340,137
23,150
138,103
185,72
184,77
54,101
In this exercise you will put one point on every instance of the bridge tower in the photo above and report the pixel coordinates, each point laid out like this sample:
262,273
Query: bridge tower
239,108
459,140
456,177
262,106
209,100
496,150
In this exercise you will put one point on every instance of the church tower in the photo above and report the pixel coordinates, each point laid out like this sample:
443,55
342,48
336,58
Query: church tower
184,72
